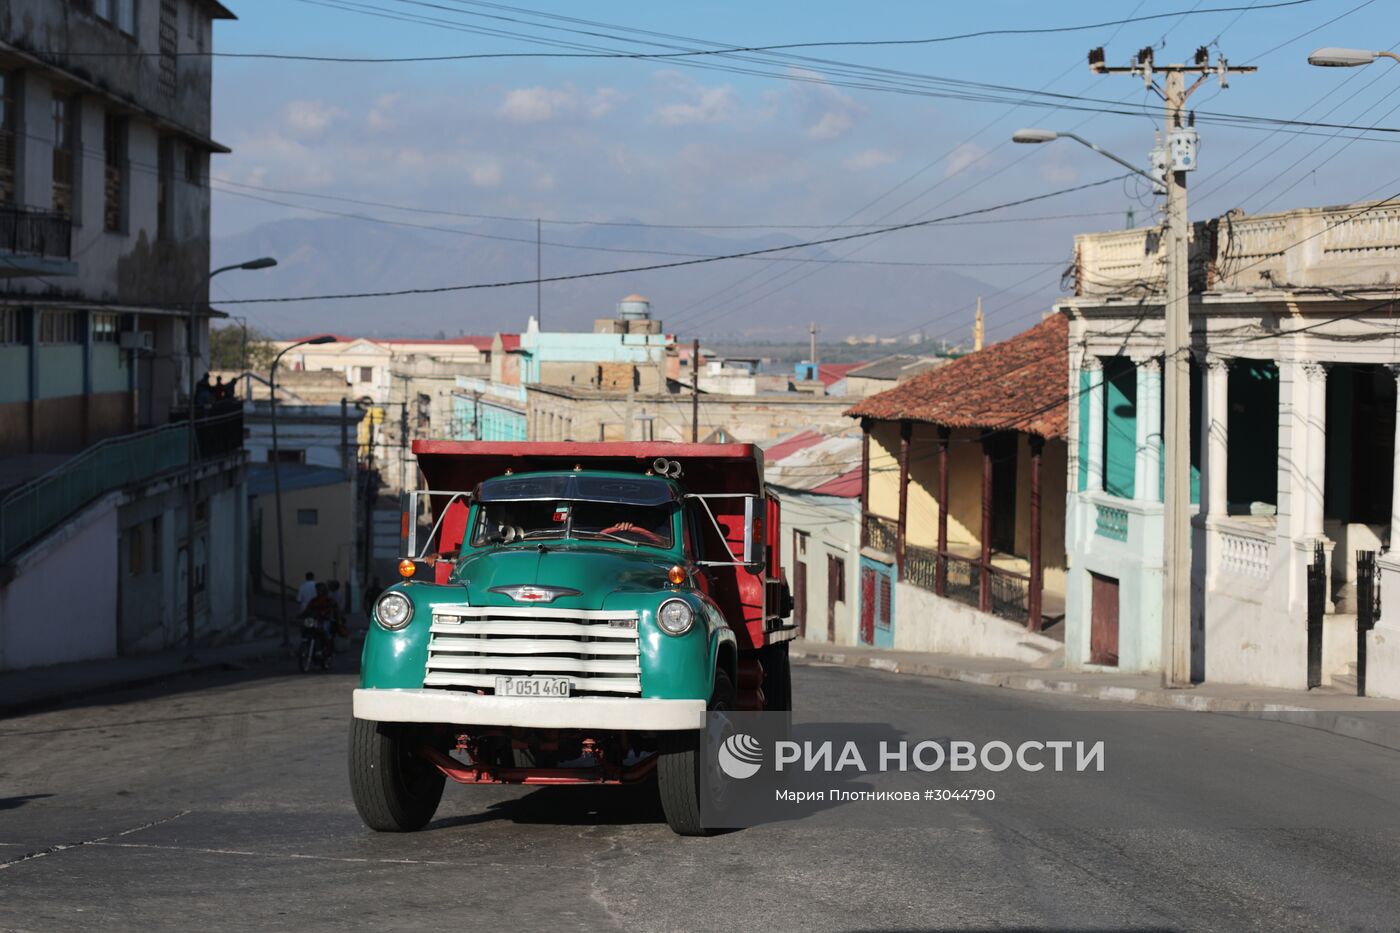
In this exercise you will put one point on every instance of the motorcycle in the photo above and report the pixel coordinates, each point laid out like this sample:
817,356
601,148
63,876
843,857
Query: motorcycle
317,645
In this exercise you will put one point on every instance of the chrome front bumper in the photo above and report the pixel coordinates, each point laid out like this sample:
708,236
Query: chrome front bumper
473,709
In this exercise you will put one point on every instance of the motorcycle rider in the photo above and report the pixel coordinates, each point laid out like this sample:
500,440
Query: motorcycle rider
326,611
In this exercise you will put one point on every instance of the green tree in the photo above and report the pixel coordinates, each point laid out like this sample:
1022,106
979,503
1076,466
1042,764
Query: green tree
226,348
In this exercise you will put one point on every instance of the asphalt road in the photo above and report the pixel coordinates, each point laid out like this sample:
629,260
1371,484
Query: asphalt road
222,804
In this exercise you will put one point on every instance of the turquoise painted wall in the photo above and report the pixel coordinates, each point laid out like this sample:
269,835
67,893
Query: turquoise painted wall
1120,426
1252,469
108,369
14,374
60,370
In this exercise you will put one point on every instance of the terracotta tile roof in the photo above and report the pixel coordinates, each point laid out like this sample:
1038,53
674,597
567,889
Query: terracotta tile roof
1021,384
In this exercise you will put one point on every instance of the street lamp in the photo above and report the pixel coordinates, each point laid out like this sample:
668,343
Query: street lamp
1176,495
277,478
191,345
1033,136
1346,58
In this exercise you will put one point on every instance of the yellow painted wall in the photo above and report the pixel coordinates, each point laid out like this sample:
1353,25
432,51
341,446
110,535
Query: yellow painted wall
923,487
1053,470
324,548
884,468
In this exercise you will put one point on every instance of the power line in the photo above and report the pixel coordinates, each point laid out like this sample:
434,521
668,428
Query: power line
619,249
684,262
837,43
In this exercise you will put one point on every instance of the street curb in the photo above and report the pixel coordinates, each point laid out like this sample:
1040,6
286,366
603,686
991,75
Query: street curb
49,701
1341,723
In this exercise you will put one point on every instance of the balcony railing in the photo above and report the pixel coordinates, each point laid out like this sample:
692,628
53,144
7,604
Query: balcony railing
29,512
959,578
36,233
881,533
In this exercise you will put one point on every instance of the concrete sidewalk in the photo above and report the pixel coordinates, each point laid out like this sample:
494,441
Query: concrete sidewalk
1366,718
45,686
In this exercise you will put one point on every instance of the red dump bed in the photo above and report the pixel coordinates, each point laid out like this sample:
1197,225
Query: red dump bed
751,599
708,468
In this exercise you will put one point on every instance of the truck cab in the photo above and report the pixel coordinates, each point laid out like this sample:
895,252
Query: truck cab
573,615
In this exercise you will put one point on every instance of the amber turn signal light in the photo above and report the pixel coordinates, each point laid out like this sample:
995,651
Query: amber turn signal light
407,568
676,575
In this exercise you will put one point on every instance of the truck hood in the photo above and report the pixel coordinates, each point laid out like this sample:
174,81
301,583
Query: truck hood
596,572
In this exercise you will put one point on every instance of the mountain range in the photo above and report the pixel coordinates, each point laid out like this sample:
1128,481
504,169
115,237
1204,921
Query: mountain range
735,298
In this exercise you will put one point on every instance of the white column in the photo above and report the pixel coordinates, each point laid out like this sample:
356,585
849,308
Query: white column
1314,482
1395,476
1148,485
1215,437
1094,458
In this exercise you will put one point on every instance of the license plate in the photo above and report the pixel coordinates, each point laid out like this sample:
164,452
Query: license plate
532,686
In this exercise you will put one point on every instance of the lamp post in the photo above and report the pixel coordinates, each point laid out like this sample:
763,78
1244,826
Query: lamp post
191,347
277,479
1346,58
1046,136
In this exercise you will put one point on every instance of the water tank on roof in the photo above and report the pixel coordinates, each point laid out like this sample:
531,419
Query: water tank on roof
634,308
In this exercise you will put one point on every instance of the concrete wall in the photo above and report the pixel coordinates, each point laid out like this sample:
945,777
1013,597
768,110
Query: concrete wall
324,548
557,413
832,525
926,622
60,605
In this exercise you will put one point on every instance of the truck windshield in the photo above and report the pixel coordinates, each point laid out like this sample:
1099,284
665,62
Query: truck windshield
506,522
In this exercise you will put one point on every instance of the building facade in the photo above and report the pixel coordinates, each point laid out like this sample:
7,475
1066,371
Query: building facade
1293,447
963,502
817,479
104,246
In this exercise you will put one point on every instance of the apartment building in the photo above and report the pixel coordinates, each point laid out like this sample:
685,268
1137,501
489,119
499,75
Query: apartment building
104,250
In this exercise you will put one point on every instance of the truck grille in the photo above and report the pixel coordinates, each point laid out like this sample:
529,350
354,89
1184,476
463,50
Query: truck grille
470,646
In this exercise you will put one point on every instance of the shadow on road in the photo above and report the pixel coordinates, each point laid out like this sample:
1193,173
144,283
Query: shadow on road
571,806
14,803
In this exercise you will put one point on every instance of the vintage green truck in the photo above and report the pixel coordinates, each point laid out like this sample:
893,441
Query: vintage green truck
575,613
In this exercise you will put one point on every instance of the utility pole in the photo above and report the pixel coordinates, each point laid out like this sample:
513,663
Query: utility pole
979,329
1175,161
812,355
539,273
695,392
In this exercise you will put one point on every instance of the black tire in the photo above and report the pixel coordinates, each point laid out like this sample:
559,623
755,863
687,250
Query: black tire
777,678
678,768
304,654
395,791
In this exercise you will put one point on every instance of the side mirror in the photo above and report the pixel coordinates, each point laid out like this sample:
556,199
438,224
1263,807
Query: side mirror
754,540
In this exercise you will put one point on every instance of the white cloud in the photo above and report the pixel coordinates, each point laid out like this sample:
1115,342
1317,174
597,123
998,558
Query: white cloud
868,159
380,116
707,105
832,124
309,118
1058,173
486,174
963,158
603,101
537,104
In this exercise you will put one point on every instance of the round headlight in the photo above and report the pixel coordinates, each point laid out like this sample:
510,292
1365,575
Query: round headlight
675,617
393,611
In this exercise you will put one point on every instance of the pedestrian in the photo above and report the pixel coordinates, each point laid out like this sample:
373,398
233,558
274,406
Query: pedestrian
338,595
220,390
371,595
203,392
307,591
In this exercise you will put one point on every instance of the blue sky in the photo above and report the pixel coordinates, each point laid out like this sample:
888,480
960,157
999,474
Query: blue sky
665,143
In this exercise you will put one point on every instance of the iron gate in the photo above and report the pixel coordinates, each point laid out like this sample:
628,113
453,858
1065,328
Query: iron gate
1368,610
1317,605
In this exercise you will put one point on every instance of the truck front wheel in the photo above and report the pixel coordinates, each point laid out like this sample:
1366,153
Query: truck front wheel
395,790
678,773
